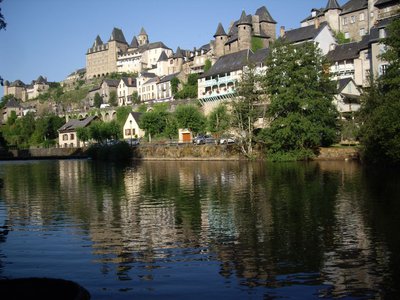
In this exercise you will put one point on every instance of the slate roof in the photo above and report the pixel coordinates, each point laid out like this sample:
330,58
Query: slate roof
136,115
354,5
118,36
148,74
12,103
178,53
228,63
134,43
344,51
126,81
163,57
220,30
342,83
41,80
168,77
153,45
384,2
259,56
374,32
245,19
97,42
142,31
304,33
17,83
111,82
264,15
151,80
332,4
319,12
73,124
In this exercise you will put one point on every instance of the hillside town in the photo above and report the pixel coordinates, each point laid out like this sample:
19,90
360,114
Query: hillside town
149,72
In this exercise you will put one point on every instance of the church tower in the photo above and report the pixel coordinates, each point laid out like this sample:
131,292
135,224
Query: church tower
244,31
220,39
143,38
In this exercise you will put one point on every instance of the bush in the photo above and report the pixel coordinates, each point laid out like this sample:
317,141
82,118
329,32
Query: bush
118,152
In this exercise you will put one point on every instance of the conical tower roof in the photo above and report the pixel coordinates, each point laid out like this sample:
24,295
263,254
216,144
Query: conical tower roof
134,43
332,4
220,31
97,42
244,19
264,15
178,53
142,32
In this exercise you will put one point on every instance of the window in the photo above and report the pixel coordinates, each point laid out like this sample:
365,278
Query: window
361,17
71,136
345,21
382,33
362,31
353,19
382,69
127,132
346,35
65,137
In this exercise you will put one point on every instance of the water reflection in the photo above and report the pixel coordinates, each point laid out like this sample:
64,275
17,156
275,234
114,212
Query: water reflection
264,227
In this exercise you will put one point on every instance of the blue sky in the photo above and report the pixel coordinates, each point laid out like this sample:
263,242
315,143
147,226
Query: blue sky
51,37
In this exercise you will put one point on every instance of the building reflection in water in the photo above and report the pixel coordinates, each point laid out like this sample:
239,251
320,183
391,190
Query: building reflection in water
266,225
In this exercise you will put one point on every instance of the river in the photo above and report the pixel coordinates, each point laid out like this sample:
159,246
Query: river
195,230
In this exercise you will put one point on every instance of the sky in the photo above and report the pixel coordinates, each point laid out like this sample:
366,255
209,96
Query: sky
51,37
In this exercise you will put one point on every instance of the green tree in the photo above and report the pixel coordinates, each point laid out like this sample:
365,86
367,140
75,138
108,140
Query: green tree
246,110
153,122
122,114
207,65
380,109
98,100
189,116
171,127
3,23
301,112
174,85
256,43
189,89
113,99
219,120
45,133
83,134
5,99
135,98
341,39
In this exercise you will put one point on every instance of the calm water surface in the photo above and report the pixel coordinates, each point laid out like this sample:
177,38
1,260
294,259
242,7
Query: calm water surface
195,230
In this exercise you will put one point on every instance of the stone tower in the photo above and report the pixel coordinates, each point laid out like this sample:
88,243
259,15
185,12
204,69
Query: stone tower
332,15
244,31
143,38
220,39
267,23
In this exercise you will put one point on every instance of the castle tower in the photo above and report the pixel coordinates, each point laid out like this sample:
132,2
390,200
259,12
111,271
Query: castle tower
134,44
244,31
267,23
332,12
143,38
220,39
116,44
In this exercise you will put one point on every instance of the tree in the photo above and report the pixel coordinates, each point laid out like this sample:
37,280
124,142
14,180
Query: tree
246,109
98,100
207,65
135,98
380,108
219,120
256,43
301,112
3,23
174,85
189,116
83,134
122,114
113,99
153,122
5,99
189,89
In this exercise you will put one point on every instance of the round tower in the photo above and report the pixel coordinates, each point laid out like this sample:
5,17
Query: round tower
244,32
220,39
143,38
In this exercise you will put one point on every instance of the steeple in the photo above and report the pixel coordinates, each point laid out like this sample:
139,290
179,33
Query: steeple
143,38
220,31
332,4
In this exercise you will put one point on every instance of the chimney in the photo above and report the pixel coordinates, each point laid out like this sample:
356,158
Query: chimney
282,31
130,81
316,23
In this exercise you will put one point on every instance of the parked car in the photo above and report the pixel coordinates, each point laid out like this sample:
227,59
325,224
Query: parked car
133,142
204,139
226,139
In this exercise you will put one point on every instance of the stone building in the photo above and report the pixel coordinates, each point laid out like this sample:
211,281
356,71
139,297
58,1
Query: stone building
244,32
101,58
